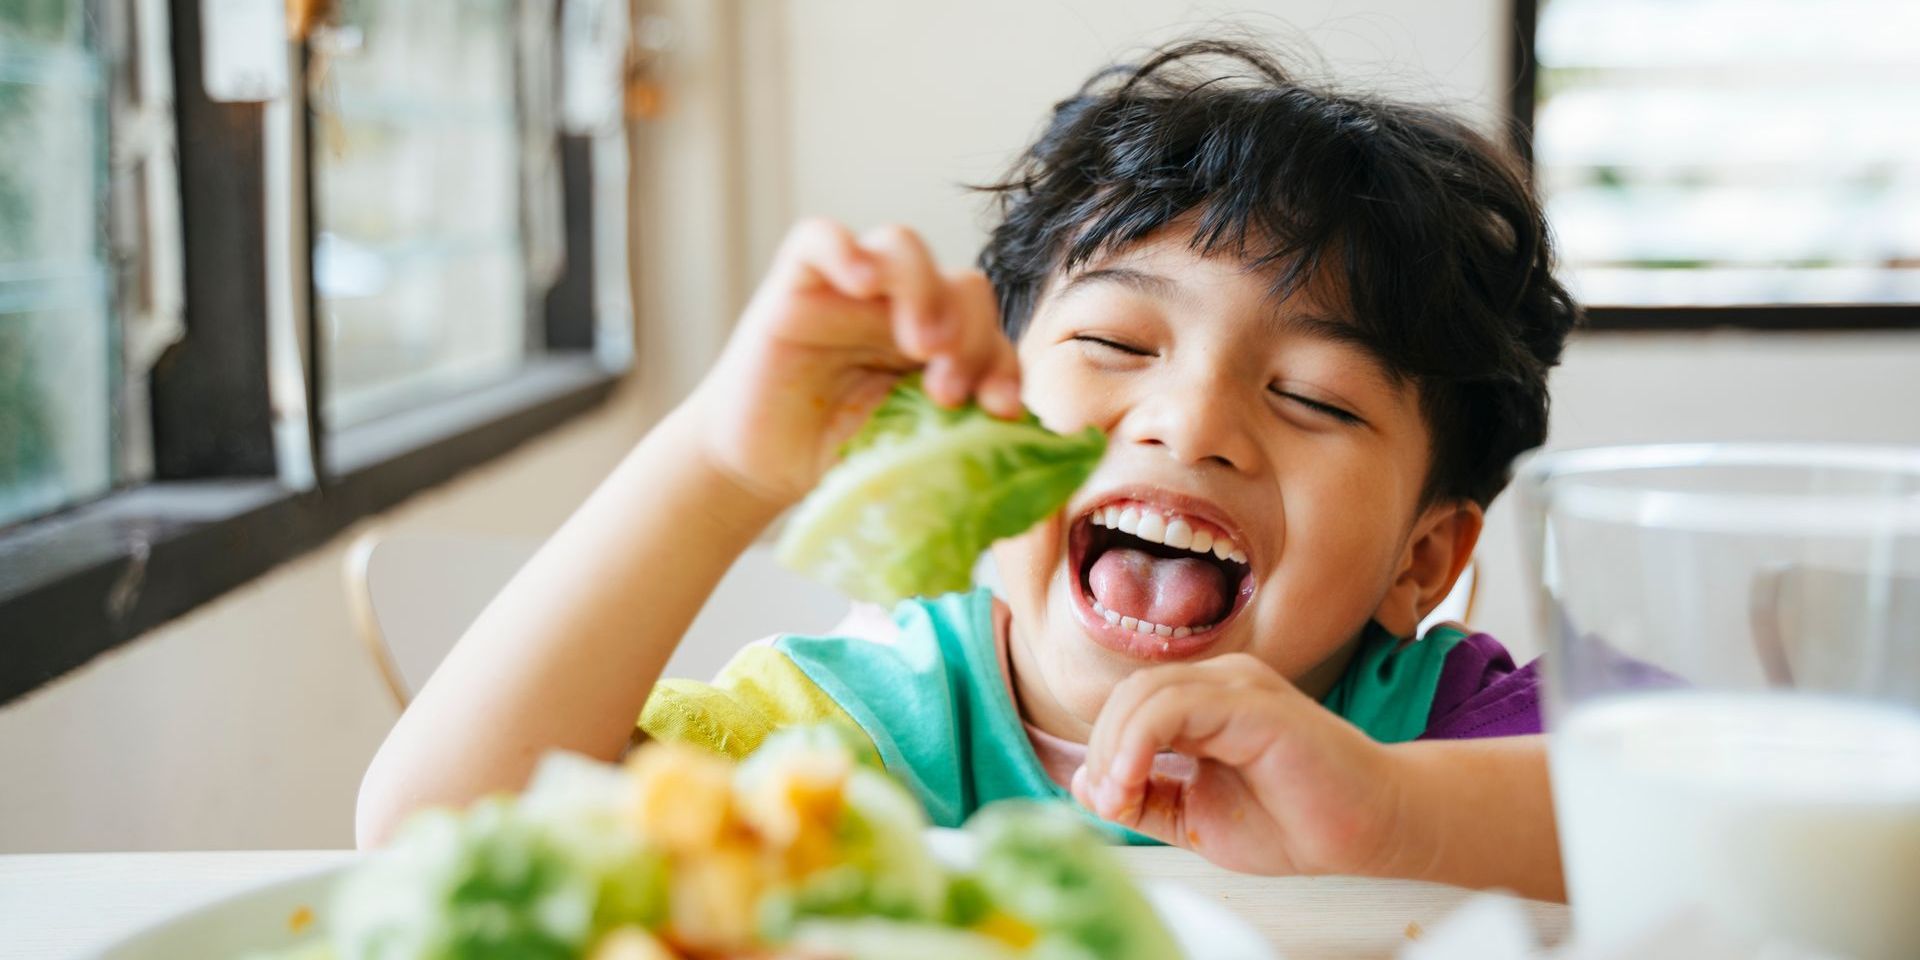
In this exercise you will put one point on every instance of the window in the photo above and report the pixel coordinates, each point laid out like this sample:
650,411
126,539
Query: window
1724,157
57,355
231,327
419,267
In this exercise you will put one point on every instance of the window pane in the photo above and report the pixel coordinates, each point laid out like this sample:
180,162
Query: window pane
417,261
1732,151
57,358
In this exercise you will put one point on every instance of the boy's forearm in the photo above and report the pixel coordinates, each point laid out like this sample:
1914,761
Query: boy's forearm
595,614
1478,813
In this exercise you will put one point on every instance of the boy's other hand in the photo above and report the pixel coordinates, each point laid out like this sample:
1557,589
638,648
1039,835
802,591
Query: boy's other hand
837,320
1282,785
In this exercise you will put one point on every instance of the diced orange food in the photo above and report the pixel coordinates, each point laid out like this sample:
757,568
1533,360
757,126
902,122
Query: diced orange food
682,796
711,898
795,807
800,790
729,840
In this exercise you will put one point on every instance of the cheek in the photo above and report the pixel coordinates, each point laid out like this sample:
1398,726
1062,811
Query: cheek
1341,543
1061,391
1026,566
1356,527
1027,562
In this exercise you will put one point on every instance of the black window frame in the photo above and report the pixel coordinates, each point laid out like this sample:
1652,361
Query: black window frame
1524,68
215,515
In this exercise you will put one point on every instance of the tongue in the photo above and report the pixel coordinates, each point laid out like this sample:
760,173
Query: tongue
1181,592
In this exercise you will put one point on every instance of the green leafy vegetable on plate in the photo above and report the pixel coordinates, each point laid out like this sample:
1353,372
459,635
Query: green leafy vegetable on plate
535,877
801,851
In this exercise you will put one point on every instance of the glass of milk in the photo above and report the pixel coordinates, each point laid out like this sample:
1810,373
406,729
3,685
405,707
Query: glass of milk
1733,664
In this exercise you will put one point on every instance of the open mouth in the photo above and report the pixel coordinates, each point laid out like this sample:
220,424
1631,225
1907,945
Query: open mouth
1153,581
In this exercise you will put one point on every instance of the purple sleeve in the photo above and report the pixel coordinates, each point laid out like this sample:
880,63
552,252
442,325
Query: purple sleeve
1482,694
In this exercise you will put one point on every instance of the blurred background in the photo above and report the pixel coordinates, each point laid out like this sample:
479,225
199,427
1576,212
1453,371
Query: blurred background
270,279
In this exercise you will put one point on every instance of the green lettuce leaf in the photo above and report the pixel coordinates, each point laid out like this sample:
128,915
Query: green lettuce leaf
1046,866
922,491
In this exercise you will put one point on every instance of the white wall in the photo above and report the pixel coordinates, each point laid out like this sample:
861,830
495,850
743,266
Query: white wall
894,105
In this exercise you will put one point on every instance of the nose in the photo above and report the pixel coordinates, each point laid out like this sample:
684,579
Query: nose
1194,423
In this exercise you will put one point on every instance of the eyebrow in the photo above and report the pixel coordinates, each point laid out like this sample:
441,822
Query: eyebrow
1152,284
1342,332
1162,287
1319,327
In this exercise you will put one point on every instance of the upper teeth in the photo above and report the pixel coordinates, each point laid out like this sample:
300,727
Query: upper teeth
1170,528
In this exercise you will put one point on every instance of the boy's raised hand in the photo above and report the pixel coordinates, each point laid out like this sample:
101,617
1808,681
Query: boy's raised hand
1282,785
836,322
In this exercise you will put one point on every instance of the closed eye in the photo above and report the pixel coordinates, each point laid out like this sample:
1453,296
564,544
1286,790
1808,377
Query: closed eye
1113,345
1319,406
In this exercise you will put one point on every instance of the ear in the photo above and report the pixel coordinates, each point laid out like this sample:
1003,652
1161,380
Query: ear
1441,544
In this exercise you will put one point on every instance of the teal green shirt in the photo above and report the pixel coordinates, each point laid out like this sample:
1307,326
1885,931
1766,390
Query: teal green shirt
938,711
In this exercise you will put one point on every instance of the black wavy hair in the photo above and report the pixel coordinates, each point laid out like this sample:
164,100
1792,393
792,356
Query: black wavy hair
1445,252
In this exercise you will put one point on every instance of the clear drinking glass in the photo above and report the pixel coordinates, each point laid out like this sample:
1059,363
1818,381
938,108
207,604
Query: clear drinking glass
1734,688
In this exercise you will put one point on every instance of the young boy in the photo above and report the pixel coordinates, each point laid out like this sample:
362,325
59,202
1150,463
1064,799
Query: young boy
1316,329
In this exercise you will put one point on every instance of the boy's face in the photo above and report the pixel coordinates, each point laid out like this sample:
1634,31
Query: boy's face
1230,416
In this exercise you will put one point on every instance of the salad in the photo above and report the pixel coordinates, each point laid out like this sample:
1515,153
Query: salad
802,852
922,490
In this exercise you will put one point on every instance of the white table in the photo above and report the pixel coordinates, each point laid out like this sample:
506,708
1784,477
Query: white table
55,906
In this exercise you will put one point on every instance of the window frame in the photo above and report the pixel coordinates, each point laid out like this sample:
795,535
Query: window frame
1524,68
217,511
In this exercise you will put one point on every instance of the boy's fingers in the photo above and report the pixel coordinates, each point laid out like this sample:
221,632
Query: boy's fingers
1130,792
1186,715
1122,705
1207,812
945,380
820,251
1220,710
1158,812
988,362
913,287
999,391
948,323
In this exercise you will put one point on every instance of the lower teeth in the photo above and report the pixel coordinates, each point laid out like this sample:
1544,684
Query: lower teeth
1148,629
